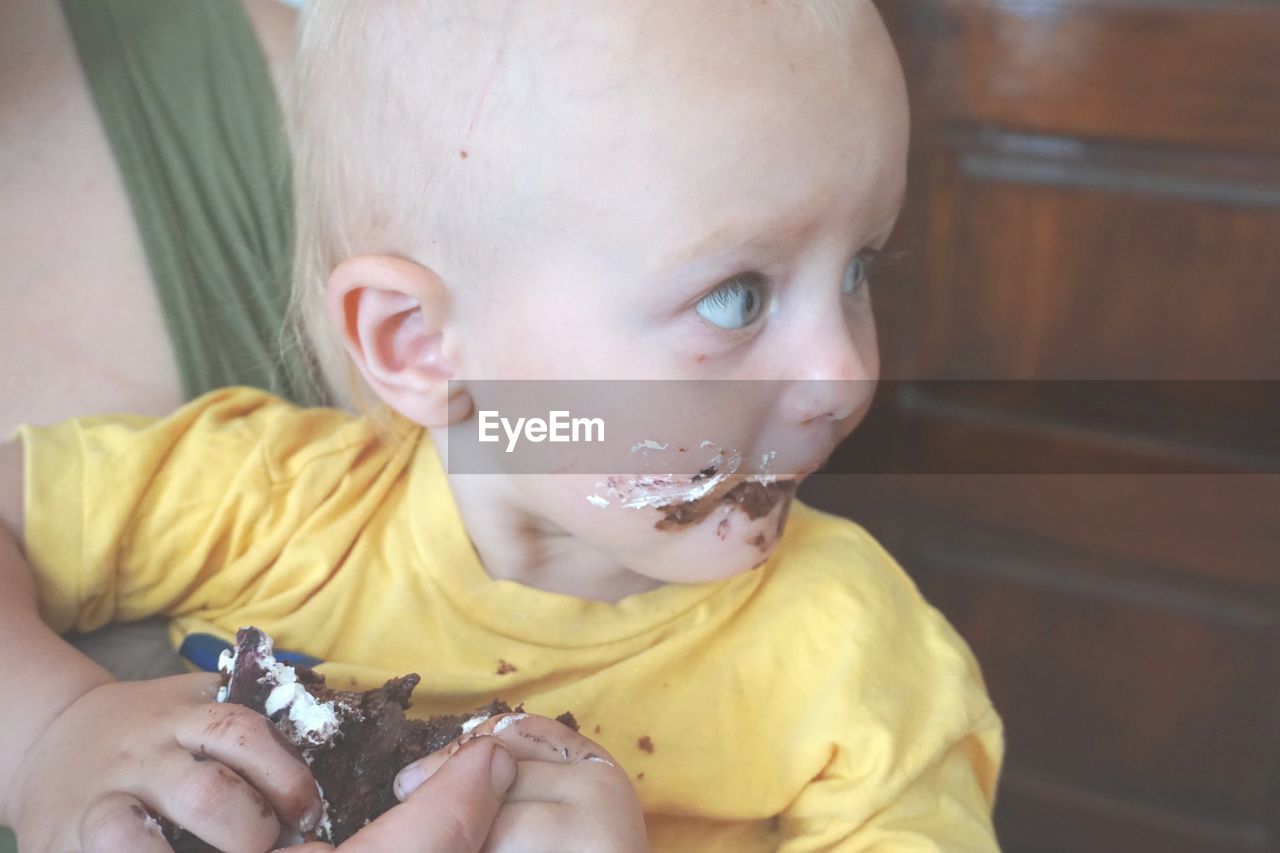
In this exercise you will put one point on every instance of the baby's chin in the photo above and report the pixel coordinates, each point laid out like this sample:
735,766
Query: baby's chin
723,533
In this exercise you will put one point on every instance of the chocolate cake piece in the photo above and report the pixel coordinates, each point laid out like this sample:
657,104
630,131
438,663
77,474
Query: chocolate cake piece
354,742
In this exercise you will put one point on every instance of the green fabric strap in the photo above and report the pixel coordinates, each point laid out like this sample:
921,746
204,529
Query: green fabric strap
186,99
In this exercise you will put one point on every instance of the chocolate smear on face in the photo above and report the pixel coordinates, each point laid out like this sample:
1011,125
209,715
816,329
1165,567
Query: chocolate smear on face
755,498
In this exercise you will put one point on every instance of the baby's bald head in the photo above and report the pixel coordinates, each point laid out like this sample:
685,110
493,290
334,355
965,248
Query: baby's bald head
462,133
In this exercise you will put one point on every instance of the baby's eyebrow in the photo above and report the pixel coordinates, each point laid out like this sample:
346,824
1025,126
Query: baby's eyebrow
752,233
744,233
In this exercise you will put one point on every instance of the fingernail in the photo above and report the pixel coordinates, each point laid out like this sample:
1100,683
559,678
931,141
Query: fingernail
502,770
502,764
311,817
409,779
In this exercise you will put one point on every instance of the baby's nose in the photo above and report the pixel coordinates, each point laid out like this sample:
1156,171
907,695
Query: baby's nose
834,373
834,399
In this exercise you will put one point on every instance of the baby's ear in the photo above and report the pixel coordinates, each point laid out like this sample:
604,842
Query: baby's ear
393,315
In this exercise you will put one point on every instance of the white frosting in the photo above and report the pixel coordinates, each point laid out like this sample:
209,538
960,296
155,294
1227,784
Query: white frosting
325,827
317,722
470,724
662,491
287,687
507,722
282,696
227,661
314,722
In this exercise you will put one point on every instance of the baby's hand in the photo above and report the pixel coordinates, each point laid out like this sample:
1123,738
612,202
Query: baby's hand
451,812
127,750
569,793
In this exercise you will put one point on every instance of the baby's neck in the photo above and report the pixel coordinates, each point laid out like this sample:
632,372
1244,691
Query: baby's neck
516,546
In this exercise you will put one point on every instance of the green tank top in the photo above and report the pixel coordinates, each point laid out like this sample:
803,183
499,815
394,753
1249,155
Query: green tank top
186,99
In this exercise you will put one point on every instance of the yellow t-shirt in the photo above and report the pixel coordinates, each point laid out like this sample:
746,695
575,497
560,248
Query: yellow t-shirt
818,703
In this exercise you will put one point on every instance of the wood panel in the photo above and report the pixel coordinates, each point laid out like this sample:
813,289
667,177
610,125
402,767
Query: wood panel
1077,650
1095,195
1041,816
1167,70
1210,532
1141,703
1060,427
1085,281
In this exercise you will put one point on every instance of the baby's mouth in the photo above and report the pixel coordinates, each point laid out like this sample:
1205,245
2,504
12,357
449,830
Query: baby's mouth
754,496
663,490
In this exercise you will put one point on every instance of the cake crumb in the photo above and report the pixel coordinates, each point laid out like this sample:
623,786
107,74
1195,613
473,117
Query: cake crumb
639,775
567,719
597,729
505,668
645,744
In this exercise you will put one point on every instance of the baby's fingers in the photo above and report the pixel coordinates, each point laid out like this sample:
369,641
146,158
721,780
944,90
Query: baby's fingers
211,801
528,737
117,822
541,828
250,745
587,805
585,782
450,814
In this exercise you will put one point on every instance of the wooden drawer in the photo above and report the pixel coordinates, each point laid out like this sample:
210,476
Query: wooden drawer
1167,70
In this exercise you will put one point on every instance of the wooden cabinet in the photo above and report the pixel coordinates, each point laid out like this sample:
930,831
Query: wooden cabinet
1094,225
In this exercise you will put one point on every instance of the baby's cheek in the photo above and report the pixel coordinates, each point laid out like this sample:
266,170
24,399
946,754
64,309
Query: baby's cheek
760,536
725,542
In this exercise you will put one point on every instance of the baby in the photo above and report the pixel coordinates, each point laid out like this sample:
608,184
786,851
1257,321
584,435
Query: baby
535,191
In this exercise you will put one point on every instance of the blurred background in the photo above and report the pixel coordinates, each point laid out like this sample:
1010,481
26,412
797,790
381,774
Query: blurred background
1095,196
1076,455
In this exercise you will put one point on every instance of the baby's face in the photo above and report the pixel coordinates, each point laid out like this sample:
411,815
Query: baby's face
696,193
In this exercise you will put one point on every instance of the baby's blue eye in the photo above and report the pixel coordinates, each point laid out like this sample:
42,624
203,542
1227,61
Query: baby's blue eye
855,276
735,304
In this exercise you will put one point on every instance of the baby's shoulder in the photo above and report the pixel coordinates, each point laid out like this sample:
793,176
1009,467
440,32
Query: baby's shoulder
834,563
287,440
833,579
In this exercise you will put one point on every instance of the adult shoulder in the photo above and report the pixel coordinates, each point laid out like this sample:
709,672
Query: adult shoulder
275,24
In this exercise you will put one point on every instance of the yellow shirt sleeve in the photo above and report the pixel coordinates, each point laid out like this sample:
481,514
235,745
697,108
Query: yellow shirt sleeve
946,807
917,764
128,517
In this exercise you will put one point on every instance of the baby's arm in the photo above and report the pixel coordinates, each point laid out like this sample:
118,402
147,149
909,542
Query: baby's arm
85,759
942,802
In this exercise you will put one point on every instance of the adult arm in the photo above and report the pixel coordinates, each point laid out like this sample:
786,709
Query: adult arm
79,314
